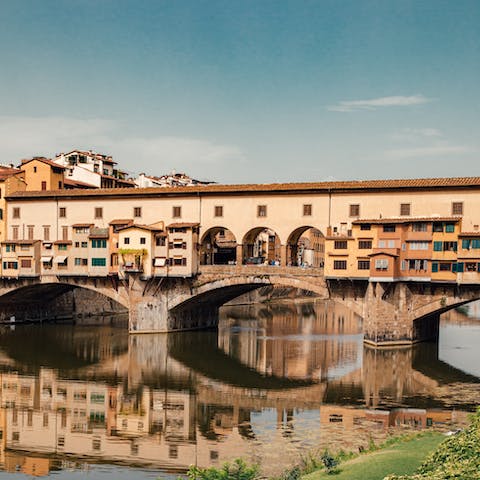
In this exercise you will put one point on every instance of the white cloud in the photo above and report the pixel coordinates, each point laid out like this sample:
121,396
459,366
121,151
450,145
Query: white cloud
24,137
431,151
416,134
376,103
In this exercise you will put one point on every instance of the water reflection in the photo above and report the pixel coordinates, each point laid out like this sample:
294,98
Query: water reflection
272,381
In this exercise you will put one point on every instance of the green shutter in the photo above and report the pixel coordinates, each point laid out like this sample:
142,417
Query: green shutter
476,243
437,246
449,228
454,267
460,267
465,244
434,267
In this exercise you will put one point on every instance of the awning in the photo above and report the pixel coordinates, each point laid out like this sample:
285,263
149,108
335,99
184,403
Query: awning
46,259
60,259
47,245
159,262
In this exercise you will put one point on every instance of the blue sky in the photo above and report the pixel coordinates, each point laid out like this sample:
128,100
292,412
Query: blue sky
246,91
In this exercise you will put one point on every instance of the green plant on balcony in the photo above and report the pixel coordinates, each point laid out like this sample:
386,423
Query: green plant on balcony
133,257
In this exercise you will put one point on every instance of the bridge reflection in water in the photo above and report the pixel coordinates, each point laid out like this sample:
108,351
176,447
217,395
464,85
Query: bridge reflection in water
272,381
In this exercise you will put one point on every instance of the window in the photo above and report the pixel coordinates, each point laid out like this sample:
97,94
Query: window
355,210
389,228
364,264
365,226
340,244
15,232
470,267
99,243
450,246
96,443
62,246
137,211
418,245
46,232
126,241
84,244
62,212
218,211
172,451
261,210
307,210
339,264
457,208
25,263
364,244
16,212
176,212
160,241
438,227
419,227
10,265
98,212
445,267
381,264
97,397
143,240
44,185
64,233
404,209
30,232
449,228
437,246
81,262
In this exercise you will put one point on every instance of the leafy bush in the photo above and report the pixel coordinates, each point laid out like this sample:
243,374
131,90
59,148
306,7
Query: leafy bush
238,470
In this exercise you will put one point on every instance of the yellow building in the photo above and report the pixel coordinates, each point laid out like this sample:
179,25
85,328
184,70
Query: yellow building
42,174
11,180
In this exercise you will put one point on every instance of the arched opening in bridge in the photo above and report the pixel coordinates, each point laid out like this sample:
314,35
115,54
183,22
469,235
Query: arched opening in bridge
261,245
43,302
218,247
306,247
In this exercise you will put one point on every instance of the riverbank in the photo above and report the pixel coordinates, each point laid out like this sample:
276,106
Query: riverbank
401,456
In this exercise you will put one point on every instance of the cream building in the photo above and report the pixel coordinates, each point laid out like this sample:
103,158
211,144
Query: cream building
284,211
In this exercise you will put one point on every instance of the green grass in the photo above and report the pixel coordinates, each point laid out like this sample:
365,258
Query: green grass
401,458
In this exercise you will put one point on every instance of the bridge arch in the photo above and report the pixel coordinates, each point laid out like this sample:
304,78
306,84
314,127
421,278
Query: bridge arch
262,244
306,247
30,299
221,290
218,246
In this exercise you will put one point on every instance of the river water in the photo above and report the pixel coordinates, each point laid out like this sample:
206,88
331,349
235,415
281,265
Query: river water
273,383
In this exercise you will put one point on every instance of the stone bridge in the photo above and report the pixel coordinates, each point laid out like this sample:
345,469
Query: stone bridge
395,313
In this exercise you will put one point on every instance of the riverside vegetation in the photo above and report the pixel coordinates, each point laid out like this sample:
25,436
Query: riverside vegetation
457,457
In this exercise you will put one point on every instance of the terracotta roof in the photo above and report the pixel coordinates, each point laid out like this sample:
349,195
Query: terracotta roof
280,188
20,242
142,227
43,160
76,183
183,225
121,221
121,180
62,242
6,172
100,156
99,233
388,254
469,234
381,221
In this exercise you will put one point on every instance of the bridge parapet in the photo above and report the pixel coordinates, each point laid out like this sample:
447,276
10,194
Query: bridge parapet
224,270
